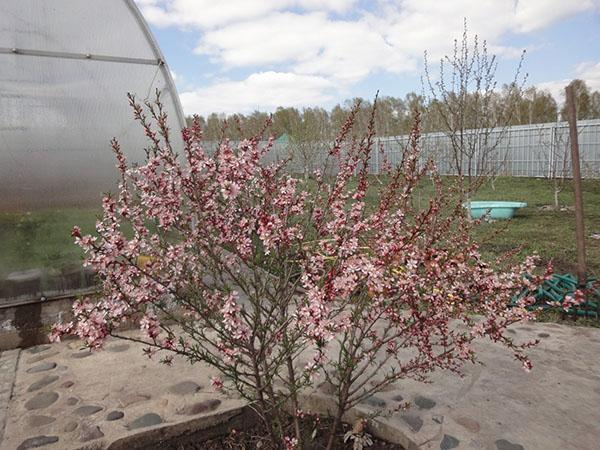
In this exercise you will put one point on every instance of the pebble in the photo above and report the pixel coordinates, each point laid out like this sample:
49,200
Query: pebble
438,418
374,401
67,384
470,424
185,388
48,379
42,400
327,388
449,442
41,357
38,421
38,349
89,433
117,348
147,420
414,422
87,410
82,354
72,401
114,415
503,444
70,427
424,402
130,399
42,367
37,441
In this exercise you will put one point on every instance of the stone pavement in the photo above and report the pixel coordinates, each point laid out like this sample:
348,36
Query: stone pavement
8,371
64,397
499,406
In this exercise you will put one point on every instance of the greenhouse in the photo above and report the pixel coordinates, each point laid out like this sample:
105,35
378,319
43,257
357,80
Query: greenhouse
67,66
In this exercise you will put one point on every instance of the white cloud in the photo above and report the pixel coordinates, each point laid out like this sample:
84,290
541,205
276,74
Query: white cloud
534,14
391,37
310,50
432,25
344,50
263,91
207,14
588,72
517,15
556,88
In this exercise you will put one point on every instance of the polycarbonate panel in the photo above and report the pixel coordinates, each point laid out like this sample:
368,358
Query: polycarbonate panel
56,120
58,113
105,27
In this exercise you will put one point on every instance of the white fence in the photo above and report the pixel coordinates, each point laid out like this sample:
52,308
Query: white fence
540,150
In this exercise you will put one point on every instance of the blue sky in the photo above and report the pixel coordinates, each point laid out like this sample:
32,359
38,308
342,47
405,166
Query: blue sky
241,55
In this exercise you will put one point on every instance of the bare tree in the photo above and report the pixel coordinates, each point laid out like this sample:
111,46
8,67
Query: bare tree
557,151
466,103
309,140
554,147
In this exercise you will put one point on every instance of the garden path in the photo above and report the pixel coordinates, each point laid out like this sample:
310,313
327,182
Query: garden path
61,396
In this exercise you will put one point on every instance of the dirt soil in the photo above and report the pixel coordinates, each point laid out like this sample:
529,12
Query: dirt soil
256,438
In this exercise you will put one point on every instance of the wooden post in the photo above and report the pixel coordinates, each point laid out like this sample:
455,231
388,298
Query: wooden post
579,226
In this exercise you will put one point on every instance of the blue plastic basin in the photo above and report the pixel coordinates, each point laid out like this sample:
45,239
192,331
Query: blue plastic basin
495,210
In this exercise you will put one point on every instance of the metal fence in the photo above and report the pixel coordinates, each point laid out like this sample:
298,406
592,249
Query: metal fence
539,150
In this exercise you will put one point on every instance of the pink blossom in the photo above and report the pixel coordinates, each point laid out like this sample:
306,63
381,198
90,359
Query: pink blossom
150,325
59,330
216,383
290,443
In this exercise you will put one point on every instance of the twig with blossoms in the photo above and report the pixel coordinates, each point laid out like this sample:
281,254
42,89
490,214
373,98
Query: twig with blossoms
238,264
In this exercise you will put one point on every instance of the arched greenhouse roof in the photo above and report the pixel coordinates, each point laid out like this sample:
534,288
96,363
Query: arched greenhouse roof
65,69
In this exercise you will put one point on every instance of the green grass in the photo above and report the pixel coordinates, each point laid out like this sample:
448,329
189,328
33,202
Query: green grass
548,232
42,238
538,228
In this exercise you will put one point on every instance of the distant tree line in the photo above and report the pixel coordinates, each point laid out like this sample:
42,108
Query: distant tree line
511,106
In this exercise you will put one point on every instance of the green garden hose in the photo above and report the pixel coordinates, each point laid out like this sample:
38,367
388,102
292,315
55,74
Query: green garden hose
556,288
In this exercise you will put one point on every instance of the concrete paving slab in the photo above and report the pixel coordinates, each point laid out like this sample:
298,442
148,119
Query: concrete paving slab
102,398
110,397
8,373
499,406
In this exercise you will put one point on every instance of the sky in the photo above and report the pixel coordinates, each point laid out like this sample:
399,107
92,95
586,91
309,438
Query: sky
238,56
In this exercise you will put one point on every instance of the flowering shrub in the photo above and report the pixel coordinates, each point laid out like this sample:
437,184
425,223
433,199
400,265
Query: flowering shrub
276,282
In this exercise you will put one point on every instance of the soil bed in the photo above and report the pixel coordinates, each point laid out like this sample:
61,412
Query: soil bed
256,438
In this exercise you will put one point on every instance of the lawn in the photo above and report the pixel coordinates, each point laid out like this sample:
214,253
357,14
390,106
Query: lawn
537,228
42,238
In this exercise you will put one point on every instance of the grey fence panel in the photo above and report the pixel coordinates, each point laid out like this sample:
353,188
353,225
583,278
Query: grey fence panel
538,150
